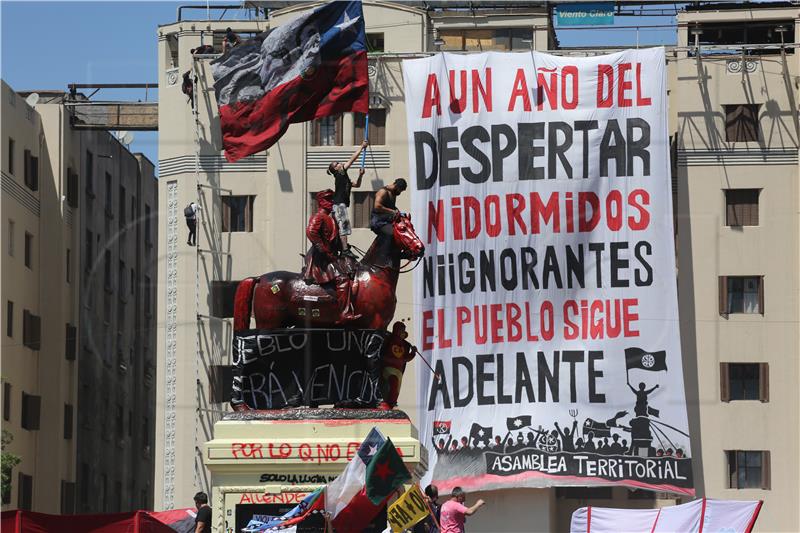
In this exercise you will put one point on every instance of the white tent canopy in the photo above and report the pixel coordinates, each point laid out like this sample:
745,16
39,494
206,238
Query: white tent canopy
699,516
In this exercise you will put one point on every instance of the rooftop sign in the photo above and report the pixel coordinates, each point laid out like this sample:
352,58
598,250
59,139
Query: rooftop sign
585,14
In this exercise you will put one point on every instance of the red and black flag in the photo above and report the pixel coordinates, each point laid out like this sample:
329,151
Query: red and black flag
311,67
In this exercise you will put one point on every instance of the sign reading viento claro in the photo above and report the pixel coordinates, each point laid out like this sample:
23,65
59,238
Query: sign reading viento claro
547,295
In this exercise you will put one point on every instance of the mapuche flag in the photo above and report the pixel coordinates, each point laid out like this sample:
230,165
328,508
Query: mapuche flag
643,360
312,67
356,497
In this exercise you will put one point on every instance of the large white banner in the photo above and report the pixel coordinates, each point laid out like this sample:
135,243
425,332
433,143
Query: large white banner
547,296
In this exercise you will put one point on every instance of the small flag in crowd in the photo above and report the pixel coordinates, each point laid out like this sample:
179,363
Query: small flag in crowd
478,433
354,498
311,67
518,422
441,427
638,358
310,504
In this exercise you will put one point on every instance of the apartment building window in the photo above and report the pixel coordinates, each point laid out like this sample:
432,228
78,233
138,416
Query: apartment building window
89,174
68,266
11,146
89,249
327,131
237,213
377,127
28,250
11,237
121,201
68,421
107,270
9,318
741,123
86,484
31,171
71,342
363,202
122,290
6,401
147,290
748,469
109,196
222,295
147,238
31,330
741,207
24,492
741,295
72,188
31,409
375,42
482,40
740,33
221,383
67,497
744,381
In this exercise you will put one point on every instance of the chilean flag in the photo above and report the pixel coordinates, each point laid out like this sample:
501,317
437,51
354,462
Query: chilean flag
311,67
345,497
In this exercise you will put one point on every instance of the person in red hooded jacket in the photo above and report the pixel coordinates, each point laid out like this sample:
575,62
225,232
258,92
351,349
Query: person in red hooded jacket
323,261
397,351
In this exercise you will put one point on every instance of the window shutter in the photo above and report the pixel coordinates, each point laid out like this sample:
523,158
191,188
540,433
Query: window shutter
763,385
338,122
34,173
26,165
315,132
248,214
723,296
724,383
71,342
761,295
766,474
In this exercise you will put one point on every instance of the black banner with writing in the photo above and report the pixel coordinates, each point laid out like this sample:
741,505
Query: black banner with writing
274,369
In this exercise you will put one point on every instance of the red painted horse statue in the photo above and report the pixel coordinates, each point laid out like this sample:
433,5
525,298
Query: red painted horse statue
283,299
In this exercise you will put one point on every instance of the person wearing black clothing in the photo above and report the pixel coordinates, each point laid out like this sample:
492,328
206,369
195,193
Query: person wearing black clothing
230,40
429,524
341,195
190,212
202,522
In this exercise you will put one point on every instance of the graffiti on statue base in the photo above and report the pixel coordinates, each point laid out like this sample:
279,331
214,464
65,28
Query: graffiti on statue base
288,368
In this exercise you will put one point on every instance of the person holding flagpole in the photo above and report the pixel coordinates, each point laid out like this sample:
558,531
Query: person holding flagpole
341,195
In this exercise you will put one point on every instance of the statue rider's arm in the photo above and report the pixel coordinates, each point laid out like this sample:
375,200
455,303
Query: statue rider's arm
379,199
355,155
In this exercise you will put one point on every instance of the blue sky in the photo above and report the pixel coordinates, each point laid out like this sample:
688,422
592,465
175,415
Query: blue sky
47,45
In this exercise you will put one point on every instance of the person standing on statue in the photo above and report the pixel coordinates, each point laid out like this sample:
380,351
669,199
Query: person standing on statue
323,261
341,195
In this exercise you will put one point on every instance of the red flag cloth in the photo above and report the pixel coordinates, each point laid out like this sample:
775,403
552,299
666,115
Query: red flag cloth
131,522
312,67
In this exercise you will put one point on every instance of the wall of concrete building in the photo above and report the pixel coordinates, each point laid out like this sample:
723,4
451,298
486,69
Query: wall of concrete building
66,372
115,445
708,248
43,290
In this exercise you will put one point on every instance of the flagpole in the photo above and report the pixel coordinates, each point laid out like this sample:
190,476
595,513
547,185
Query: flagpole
435,374
366,138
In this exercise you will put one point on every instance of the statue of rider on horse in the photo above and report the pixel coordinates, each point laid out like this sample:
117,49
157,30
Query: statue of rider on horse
334,290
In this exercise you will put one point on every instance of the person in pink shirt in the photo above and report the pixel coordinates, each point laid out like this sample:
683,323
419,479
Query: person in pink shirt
454,512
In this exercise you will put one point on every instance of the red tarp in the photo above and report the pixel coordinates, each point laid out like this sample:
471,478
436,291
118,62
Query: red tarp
133,522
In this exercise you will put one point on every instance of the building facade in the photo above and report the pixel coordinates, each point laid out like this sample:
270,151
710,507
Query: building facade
60,307
253,215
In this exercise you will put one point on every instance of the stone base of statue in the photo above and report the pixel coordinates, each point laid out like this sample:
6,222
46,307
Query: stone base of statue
265,462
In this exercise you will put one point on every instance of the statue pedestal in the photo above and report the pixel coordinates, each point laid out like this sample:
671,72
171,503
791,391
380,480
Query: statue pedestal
266,462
